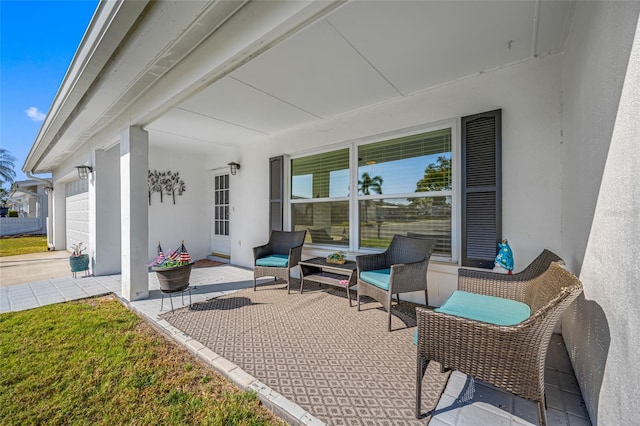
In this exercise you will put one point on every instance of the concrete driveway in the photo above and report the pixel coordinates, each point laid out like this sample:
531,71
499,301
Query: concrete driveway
33,267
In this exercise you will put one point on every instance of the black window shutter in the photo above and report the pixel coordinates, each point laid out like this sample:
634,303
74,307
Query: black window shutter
276,192
481,188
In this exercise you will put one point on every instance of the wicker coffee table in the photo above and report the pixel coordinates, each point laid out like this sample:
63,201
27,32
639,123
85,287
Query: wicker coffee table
320,271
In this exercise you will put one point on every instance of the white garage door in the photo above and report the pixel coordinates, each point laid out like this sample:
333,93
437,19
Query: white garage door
77,208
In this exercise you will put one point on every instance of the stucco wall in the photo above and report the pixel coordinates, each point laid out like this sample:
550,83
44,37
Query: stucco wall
188,219
529,95
601,220
105,246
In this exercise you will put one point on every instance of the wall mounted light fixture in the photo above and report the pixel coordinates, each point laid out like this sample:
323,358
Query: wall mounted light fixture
234,167
48,189
83,171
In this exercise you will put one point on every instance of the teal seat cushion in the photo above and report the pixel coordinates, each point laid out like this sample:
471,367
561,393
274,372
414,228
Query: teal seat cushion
377,277
490,309
273,261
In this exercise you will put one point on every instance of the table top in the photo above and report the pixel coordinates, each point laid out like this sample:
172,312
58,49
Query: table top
322,262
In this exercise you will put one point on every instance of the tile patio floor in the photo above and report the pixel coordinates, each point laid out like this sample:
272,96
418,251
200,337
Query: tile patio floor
463,402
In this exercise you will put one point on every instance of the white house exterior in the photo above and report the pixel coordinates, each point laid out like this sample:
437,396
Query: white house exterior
189,87
30,199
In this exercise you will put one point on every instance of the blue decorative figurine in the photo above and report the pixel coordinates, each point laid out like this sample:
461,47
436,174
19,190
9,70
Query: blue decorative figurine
504,259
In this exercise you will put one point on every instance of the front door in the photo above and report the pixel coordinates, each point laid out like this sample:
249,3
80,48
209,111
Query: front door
220,241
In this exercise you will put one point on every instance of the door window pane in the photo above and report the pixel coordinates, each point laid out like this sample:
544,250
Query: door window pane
221,205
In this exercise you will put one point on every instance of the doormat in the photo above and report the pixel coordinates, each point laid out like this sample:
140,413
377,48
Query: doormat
206,263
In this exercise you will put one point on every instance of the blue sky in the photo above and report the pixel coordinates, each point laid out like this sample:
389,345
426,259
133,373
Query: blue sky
37,42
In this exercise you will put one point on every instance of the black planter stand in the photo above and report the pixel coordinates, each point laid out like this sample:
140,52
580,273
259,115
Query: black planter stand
174,280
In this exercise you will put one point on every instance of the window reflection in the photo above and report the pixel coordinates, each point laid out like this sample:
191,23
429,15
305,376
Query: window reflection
325,222
321,176
428,217
420,163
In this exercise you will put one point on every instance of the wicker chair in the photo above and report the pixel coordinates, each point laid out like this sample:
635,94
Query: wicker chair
285,249
508,357
502,289
408,260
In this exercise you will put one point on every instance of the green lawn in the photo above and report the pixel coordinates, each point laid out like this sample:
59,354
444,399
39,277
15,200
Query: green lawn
10,246
95,362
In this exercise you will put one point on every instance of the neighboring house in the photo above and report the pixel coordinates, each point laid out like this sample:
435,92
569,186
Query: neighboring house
308,96
29,198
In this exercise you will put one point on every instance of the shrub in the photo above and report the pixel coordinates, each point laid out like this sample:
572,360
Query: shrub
12,213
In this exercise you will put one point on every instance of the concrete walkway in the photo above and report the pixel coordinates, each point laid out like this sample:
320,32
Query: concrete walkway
34,267
464,402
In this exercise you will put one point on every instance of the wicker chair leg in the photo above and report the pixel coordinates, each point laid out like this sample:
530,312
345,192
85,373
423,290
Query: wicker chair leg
542,413
398,297
358,298
420,370
254,283
389,302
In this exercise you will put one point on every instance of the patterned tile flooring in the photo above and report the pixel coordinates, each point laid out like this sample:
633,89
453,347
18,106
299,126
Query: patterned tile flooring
339,364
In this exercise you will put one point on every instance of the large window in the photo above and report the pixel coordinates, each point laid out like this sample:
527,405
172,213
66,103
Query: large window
404,186
320,197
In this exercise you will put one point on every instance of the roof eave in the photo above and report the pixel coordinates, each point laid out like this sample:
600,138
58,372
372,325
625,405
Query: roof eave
109,25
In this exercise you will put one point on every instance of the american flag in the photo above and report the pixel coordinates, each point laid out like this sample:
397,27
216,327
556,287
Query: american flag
184,255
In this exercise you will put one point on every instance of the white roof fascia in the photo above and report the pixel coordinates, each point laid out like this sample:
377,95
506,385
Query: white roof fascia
109,26
256,28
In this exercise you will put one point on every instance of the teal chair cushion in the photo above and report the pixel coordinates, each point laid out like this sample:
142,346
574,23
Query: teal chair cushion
377,277
273,261
490,309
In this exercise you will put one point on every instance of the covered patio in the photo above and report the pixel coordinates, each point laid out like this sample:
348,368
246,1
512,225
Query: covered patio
356,118
313,359
343,367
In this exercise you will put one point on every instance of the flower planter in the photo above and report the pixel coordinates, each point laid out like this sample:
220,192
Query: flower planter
173,279
79,263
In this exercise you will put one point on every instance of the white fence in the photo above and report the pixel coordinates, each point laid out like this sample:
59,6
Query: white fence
21,225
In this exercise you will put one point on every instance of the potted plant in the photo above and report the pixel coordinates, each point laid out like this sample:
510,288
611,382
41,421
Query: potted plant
78,260
174,270
338,258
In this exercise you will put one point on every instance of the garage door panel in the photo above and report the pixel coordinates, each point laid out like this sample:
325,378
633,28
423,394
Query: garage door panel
77,210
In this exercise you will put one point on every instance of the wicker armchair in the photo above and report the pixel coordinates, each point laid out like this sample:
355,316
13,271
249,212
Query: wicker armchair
407,259
503,282
508,357
278,256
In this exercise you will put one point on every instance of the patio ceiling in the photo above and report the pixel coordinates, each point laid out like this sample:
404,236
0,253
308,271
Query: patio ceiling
362,54
172,68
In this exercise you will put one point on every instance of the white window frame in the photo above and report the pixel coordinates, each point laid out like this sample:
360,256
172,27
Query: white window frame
354,198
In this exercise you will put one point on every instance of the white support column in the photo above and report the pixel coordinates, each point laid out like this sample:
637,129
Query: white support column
104,206
49,223
59,212
134,165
